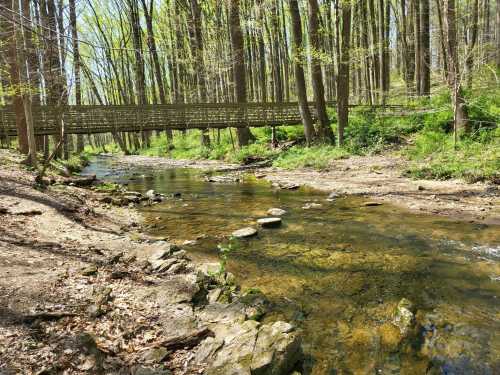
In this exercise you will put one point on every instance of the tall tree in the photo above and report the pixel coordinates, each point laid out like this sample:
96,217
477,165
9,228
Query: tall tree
343,76
9,55
425,49
200,64
238,64
454,78
76,66
298,61
324,129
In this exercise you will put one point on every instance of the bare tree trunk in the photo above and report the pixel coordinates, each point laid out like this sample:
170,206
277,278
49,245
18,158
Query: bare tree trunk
324,130
472,42
497,35
140,76
238,57
418,43
200,64
454,79
262,54
76,67
148,15
343,76
425,49
8,39
298,59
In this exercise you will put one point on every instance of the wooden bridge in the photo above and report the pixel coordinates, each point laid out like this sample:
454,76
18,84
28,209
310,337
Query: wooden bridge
91,119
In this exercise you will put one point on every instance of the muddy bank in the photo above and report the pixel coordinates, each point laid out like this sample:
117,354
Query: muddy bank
376,177
83,290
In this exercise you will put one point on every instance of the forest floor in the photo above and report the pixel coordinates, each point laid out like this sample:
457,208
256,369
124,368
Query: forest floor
380,178
82,291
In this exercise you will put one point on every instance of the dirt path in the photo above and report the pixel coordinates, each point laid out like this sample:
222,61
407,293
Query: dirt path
379,178
83,291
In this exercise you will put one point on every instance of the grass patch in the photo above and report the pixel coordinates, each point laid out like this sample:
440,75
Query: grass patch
73,165
317,157
107,187
475,159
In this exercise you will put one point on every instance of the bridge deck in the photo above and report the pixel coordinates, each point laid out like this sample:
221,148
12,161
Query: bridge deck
90,119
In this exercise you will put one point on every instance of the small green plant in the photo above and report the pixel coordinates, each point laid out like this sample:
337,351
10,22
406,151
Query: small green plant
224,251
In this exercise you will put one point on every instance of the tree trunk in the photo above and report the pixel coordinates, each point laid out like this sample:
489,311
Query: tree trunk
238,63
200,65
76,67
8,44
324,129
497,35
298,59
425,48
454,79
472,42
343,76
418,43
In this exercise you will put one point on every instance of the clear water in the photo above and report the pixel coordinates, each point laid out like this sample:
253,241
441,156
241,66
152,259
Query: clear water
339,271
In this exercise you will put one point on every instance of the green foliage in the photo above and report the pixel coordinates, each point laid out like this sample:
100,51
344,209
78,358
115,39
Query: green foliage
425,138
107,187
109,148
74,164
474,159
368,133
224,251
317,157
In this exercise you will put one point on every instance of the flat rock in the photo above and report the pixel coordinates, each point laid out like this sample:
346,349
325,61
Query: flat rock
332,196
244,232
269,222
286,185
276,212
89,270
155,355
175,289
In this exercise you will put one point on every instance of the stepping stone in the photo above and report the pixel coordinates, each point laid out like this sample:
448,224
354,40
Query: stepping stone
372,204
276,212
309,206
269,222
244,232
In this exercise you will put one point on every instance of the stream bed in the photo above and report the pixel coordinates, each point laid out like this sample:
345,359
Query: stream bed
343,272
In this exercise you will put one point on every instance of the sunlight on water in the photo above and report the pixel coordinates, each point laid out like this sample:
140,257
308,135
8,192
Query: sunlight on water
339,271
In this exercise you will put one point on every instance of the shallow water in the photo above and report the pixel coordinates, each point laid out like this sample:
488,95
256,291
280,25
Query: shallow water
339,271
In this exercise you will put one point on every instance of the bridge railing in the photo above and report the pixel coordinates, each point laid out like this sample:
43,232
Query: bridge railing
89,119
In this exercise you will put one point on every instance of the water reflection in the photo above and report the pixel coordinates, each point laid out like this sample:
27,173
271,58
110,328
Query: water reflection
340,269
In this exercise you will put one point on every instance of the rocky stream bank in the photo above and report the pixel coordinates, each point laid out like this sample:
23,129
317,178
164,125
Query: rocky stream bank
84,291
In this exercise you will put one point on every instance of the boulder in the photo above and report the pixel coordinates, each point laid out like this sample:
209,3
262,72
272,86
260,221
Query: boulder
153,196
150,194
253,349
276,212
244,232
269,222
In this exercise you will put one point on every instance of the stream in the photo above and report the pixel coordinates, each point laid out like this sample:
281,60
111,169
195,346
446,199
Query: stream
338,270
